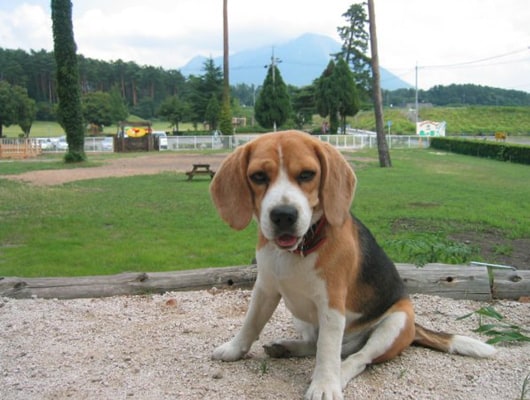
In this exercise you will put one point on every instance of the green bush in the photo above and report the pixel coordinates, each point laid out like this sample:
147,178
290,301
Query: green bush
482,148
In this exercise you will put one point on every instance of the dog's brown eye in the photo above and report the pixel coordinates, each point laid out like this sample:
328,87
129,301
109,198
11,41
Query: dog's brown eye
305,176
259,178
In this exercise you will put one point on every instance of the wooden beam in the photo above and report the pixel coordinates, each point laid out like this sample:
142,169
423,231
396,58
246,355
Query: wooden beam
127,283
454,281
511,284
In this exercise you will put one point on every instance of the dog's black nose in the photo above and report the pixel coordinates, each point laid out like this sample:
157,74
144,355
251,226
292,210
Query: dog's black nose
284,217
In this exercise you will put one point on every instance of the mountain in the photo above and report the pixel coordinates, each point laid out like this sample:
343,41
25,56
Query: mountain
300,61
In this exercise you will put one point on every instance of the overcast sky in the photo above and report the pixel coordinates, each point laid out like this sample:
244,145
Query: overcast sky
483,42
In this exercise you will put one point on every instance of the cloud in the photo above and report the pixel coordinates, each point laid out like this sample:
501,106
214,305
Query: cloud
434,34
27,27
173,33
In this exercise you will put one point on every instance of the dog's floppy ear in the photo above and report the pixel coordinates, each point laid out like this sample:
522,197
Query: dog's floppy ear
230,190
337,186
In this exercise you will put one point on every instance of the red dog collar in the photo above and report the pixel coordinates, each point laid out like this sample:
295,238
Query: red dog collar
313,239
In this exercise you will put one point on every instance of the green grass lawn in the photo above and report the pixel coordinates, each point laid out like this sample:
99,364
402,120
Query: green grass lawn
429,196
143,223
163,222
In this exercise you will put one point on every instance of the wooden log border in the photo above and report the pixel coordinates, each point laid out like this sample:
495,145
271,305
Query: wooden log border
454,281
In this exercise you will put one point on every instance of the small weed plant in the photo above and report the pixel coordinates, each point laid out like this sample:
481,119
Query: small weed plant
525,390
498,330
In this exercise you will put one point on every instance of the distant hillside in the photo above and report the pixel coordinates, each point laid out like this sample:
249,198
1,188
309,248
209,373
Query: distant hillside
460,120
300,62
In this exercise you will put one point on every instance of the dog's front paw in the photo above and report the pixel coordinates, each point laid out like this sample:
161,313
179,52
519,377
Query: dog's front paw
320,390
229,351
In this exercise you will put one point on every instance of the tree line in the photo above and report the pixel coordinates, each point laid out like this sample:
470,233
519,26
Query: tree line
142,88
118,88
112,90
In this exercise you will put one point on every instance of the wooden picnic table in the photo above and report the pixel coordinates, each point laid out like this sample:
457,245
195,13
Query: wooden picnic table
200,169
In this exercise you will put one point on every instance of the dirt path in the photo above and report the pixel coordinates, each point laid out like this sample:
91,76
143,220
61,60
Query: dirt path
125,166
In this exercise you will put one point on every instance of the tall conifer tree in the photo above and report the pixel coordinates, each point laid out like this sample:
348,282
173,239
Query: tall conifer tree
273,106
68,90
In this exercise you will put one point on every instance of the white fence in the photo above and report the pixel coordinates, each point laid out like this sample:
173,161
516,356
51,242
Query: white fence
58,145
183,143
370,141
176,143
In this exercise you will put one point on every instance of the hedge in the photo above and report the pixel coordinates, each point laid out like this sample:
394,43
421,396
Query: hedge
501,151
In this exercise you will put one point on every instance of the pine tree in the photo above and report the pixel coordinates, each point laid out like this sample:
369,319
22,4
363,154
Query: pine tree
326,96
273,106
355,38
202,89
347,96
213,111
336,95
68,90
225,119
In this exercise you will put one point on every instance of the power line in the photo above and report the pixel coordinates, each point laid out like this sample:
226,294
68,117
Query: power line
481,60
494,64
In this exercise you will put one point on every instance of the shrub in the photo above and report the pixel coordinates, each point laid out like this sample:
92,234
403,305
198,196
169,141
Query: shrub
501,151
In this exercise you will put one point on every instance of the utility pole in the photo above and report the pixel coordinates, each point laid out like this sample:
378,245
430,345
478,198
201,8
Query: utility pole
274,61
416,109
225,117
226,79
272,65
382,146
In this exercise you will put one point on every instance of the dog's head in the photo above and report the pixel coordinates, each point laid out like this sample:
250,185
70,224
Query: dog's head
287,181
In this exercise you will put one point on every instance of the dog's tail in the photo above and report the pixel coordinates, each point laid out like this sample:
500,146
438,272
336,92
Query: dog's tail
449,343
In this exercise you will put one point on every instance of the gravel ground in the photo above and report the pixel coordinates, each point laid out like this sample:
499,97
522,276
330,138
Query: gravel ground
159,347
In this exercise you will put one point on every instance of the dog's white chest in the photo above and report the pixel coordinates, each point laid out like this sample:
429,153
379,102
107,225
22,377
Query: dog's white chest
296,279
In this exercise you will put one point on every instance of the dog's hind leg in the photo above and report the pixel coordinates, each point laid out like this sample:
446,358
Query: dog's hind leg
392,334
307,346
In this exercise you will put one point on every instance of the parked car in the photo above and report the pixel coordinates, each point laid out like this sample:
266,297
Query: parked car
61,144
46,143
161,137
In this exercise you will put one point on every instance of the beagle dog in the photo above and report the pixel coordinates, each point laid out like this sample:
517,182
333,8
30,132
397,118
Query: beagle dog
348,300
